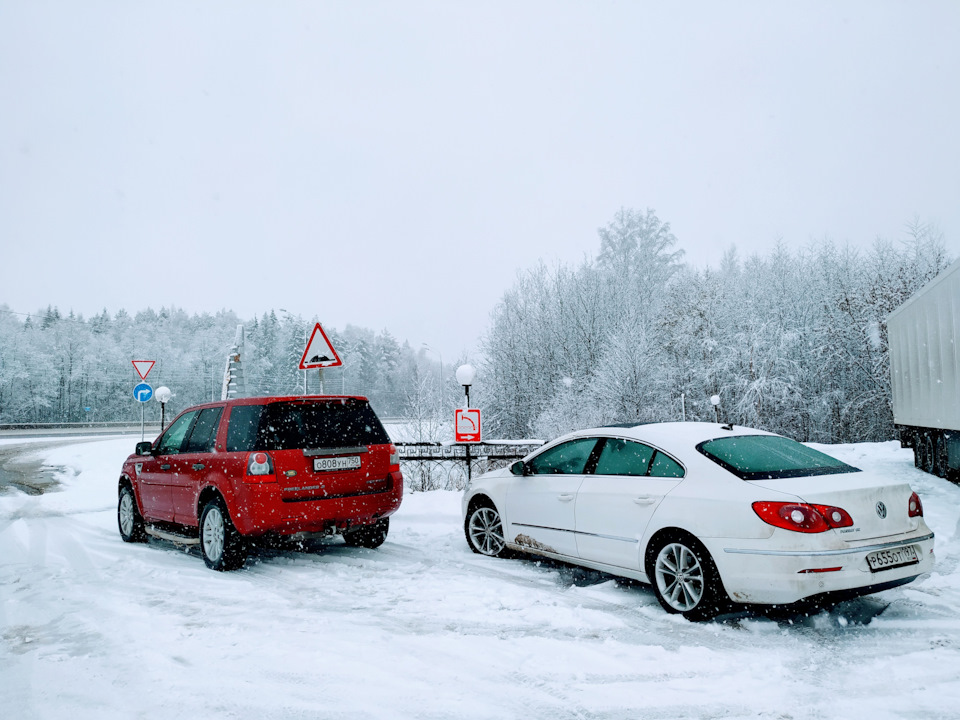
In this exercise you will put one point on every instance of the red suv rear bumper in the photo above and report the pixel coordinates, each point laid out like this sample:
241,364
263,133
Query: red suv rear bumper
259,509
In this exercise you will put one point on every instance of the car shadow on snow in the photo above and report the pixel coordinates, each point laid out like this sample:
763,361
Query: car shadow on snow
572,575
857,611
273,548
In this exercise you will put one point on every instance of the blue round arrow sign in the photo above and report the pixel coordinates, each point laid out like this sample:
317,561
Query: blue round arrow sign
142,392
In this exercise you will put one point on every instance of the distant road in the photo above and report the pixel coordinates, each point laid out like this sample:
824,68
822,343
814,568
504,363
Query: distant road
21,468
151,429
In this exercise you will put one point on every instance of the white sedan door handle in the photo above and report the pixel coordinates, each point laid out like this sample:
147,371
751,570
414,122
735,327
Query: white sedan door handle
645,500
566,497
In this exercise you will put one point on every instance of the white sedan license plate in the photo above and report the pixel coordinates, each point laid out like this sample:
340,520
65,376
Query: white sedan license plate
895,557
350,462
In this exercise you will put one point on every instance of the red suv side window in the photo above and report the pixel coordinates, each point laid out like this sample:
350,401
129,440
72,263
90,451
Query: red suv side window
242,431
204,434
172,439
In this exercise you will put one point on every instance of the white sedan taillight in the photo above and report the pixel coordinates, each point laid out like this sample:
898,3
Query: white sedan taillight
914,507
801,517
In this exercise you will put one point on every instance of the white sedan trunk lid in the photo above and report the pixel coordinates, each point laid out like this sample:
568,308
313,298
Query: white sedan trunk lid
878,506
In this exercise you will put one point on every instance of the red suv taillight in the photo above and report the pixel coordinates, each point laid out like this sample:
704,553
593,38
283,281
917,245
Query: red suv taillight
800,517
394,457
914,507
259,467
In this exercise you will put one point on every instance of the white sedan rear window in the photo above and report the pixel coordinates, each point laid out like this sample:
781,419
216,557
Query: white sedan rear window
763,457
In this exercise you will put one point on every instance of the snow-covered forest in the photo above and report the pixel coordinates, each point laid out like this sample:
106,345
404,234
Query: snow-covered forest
792,341
56,368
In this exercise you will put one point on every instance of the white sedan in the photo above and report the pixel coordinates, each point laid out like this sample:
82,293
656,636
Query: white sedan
711,515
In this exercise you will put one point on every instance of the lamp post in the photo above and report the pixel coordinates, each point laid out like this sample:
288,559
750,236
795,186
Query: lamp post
440,355
162,396
465,376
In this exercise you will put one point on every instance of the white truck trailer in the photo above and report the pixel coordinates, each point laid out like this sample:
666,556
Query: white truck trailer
924,341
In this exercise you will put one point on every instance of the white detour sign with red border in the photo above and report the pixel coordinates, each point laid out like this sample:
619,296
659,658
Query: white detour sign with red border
319,352
467,425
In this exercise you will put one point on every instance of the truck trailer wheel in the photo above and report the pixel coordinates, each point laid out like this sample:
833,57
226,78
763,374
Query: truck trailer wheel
941,464
926,442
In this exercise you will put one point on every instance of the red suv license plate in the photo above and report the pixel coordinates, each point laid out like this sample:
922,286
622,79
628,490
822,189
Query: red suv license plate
896,557
349,462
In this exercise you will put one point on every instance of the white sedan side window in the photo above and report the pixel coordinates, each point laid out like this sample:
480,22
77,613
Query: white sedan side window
664,466
623,457
569,458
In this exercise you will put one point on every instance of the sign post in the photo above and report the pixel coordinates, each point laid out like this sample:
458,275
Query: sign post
142,393
319,354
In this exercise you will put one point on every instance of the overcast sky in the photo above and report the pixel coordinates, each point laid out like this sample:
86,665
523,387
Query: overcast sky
394,164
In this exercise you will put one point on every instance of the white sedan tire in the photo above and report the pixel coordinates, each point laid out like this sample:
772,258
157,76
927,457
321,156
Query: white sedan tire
685,578
484,530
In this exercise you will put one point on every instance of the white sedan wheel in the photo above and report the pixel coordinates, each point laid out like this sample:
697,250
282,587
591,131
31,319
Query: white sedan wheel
485,531
679,576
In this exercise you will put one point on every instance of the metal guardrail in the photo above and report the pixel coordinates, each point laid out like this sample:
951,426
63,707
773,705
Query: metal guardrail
439,466
108,425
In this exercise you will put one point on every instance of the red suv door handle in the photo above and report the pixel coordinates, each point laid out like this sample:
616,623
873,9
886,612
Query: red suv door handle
164,467
198,466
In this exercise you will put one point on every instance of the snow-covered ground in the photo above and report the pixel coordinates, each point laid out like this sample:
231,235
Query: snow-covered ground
422,628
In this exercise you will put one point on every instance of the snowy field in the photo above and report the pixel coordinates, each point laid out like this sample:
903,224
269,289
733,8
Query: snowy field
93,628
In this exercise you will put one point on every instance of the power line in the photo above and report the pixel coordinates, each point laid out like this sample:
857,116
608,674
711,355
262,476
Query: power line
40,317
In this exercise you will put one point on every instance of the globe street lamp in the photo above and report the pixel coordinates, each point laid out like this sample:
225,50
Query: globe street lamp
465,376
162,396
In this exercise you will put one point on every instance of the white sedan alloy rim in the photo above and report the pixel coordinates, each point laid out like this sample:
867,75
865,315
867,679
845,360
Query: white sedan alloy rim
213,533
679,577
126,513
486,531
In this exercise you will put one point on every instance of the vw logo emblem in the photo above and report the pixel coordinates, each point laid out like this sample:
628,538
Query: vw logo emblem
881,510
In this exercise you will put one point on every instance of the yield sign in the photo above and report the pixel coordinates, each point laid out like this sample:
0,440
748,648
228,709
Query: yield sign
467,425
143,367
319,352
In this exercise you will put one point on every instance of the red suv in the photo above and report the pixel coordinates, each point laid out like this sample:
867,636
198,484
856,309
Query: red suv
226,472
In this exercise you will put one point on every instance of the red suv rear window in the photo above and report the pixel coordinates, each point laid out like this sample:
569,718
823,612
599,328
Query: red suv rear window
302,424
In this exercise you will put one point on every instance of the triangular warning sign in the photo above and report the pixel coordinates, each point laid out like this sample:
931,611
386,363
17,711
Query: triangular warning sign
319,352
143,367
